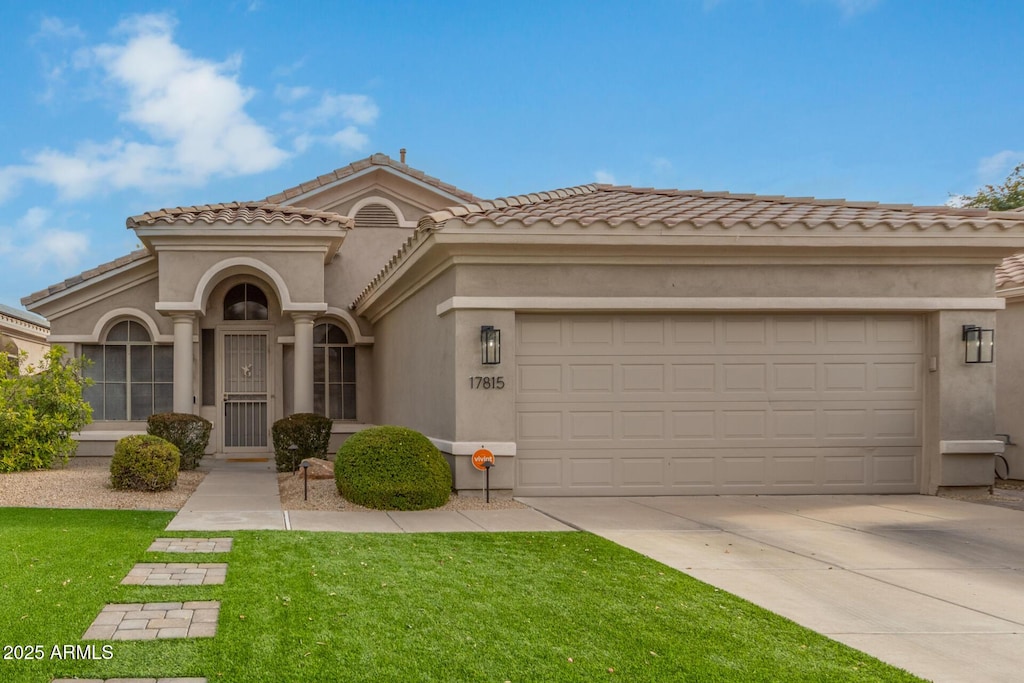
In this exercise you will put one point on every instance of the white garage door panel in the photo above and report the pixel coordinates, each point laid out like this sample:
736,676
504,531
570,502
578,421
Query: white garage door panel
740,403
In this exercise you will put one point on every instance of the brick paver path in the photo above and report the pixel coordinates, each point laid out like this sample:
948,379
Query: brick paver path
129,680
191,545
152,620
176,574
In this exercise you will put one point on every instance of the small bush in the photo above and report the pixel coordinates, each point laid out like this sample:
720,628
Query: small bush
310,432
40,408
190,433
144,463
392,468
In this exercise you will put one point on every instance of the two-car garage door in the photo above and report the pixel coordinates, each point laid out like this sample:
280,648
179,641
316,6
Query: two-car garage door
690,404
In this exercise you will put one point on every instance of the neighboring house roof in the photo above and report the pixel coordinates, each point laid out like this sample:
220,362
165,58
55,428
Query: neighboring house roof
102,269
238,212
1010,271
24,316
379,160
614,206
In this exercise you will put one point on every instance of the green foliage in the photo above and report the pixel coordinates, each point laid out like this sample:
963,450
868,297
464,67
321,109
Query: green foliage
392,468
1005,197
190,433
40,408
310,432
144,463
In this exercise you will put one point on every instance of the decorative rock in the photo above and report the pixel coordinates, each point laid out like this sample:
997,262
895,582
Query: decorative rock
319,468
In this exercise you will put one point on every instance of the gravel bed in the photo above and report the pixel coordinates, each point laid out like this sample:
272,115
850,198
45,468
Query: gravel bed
85,483
323,495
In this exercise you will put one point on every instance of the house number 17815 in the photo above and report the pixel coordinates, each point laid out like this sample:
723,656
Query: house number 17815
480,382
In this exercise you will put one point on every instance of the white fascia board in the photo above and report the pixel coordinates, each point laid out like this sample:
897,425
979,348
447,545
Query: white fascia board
612,303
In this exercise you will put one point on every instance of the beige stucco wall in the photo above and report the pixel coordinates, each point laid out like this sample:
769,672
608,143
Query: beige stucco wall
414,371
725,279
29,343
1009,387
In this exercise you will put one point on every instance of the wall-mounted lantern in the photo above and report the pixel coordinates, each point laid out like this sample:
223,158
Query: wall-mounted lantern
979,344
490,345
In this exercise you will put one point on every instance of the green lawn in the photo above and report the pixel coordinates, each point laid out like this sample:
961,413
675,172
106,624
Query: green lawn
400,607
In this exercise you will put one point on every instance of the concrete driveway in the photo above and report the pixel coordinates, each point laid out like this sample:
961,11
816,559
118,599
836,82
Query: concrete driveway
931,585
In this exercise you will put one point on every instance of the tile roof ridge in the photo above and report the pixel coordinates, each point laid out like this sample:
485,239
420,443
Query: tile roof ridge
1013,214
96,271
375,159
437,218
207,213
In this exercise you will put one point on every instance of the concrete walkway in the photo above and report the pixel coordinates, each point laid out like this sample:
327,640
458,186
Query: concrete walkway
244,495
931,585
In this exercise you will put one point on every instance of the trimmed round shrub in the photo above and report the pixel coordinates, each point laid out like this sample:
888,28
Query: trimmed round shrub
392,468
144,463
310,432
190,433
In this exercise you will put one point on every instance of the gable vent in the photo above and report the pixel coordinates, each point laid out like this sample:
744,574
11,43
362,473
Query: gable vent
376,216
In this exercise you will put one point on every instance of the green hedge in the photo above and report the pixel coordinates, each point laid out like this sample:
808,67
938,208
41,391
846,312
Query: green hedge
144,463
40,408
392,468
310,432
190,433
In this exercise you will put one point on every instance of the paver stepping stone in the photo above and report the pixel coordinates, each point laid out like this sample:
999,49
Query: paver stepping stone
153,620
176,574
191,545
129,680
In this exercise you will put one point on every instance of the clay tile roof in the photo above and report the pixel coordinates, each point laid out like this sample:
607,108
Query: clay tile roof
1010,271
378,159
238,212
131,258
616,205
640,207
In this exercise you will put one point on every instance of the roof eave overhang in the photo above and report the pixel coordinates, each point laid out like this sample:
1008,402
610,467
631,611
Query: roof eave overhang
52,305
247,236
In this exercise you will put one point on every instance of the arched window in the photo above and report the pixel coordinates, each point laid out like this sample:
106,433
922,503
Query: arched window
334,373
13,358
245,302
133,378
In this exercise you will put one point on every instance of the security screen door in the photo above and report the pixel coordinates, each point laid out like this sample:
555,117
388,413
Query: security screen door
245,390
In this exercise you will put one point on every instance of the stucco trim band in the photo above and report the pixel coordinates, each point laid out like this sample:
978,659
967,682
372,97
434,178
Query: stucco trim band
979,446
739,303
106,435
471,447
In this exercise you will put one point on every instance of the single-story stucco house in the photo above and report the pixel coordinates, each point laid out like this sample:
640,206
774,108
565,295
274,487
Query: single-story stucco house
23,334
599,340
1010,378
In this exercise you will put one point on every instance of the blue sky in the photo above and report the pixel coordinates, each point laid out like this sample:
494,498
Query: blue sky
112,109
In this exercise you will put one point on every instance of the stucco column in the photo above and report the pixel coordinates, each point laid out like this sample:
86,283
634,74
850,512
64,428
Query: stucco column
183,363
303,362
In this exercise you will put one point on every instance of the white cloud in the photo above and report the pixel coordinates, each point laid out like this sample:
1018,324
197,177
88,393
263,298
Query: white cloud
661,165
188,113
604,177
345,114
54,27
35,242
62,248
358,109
350,138
293,94
995,168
